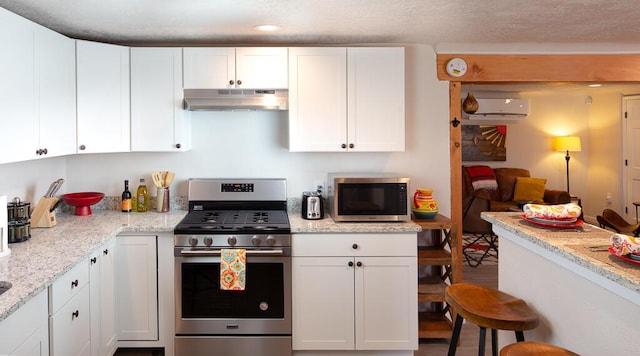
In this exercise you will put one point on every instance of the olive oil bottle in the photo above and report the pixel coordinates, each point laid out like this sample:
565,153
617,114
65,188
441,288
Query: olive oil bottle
143,197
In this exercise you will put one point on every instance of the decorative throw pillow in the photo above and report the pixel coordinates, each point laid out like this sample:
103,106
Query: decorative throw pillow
529,189
482,177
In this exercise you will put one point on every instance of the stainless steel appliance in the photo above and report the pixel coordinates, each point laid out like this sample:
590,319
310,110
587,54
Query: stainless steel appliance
312,206
249,214
368,197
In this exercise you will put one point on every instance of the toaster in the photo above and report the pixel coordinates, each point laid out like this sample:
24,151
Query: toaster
312,206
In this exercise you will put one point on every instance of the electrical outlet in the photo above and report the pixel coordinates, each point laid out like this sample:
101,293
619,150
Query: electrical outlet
608,198
318,186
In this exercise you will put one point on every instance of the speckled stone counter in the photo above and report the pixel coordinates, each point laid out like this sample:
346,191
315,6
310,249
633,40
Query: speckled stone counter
36,263
327,225
584,246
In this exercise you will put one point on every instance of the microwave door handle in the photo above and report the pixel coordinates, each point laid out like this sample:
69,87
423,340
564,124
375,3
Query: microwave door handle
195,253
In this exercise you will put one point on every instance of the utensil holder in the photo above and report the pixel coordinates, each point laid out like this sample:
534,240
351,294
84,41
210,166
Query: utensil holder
42,216
162,200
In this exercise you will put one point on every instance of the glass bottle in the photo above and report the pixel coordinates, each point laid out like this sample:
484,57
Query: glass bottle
143,197
126,198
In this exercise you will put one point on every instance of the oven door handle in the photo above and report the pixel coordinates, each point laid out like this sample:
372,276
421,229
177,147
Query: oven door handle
195,253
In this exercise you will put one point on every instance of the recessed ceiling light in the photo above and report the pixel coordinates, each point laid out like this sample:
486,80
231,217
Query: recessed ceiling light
595,85
266,28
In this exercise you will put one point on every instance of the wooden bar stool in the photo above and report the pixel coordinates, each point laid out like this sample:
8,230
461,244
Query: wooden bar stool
488,308
530,348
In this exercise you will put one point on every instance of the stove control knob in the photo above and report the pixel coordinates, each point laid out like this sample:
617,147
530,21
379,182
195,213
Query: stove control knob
255,240
208,241
232,241
193,241
271,241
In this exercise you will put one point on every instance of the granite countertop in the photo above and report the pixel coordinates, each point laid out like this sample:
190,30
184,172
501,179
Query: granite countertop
37,262
585,246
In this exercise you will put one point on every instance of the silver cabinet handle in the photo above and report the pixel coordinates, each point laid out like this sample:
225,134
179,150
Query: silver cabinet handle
218,252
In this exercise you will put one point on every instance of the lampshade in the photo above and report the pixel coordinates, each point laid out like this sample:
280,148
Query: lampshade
567,143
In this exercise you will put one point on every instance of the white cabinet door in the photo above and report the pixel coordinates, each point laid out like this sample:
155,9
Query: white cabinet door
386,303
25,331
18,120
158,121
103,119
346,99
70,326
209,68
102,299
323,309
317,99
226,68
261,68
136,288
56,83
375,87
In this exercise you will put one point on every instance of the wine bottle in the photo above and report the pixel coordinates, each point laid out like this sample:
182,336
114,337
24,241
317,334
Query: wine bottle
126,198
143,197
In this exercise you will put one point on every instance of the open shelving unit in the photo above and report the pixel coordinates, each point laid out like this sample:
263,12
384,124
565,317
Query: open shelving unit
440,264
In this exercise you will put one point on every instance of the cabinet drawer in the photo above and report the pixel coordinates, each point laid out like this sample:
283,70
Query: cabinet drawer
68,285
377,244
24,322
70,326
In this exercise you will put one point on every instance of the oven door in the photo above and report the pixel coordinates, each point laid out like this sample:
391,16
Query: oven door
263,308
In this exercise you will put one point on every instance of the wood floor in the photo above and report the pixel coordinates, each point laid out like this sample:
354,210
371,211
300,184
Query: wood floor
486,275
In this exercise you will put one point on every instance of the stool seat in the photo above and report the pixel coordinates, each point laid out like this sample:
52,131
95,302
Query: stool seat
490,307
527,348
487,308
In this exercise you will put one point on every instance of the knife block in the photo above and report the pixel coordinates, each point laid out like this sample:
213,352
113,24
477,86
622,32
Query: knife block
42,216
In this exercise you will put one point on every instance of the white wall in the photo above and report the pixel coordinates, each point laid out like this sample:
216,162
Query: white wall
254,144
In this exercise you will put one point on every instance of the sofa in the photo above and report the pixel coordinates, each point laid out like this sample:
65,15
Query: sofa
505,190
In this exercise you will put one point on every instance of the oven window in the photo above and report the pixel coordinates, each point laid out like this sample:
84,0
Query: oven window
372,199
262,298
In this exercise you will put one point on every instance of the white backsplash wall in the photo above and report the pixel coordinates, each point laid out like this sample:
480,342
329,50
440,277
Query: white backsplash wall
255,144
30,180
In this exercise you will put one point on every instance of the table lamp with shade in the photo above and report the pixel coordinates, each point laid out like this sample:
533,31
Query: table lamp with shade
568,144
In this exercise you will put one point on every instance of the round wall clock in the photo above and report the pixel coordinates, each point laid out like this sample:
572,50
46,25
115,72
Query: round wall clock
456,67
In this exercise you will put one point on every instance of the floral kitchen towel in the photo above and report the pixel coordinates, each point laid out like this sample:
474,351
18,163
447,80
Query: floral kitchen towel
560,212
624,244
233,267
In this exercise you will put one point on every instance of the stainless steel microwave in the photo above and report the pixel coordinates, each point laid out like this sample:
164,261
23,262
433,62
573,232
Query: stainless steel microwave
368,197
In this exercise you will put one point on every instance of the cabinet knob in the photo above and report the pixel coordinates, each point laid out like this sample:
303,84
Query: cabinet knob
105,251
45,151
94,260
343,145
38,152
359,264
82,147
75,314
351,145
74,283
350,263
231,82
178,145
239,82
354,246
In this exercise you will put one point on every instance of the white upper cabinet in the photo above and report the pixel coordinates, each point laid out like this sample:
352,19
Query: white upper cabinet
56,76
37,90
103,98
228,68
346,99
158,121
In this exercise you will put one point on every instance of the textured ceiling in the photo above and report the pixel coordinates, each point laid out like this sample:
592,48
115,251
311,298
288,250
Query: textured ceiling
338,21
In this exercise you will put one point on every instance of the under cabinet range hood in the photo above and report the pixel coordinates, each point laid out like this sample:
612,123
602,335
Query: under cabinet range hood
236,99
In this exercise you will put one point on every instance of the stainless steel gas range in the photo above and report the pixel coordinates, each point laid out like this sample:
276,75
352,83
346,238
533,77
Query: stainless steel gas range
249,214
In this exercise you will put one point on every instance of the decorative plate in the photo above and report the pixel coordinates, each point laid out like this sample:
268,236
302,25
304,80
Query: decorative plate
556,225
624,258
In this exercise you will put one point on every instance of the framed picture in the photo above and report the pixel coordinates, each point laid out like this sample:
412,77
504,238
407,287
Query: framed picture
484,142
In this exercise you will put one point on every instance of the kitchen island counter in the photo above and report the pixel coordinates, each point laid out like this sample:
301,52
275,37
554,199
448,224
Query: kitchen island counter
36,263
588,300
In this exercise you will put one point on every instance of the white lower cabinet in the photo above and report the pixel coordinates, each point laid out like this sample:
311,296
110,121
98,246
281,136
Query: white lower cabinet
102,296
25,332
354,292
137,288
69,313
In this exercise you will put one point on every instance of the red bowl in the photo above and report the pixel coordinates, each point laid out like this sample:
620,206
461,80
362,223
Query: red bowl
82,201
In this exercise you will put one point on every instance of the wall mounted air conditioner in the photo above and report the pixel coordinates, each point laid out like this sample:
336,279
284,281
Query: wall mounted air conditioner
500,109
